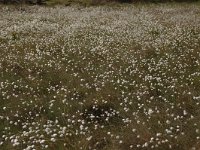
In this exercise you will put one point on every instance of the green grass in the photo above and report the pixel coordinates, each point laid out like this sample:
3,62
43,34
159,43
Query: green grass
105,78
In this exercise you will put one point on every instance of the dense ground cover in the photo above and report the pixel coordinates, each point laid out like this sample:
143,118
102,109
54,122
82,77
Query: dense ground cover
119,78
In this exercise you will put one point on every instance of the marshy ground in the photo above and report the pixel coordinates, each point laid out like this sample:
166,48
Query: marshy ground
104,78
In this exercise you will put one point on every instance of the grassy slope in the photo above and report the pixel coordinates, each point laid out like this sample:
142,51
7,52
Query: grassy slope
104,78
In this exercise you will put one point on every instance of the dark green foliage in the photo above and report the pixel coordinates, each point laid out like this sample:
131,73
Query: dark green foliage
87,2
39,2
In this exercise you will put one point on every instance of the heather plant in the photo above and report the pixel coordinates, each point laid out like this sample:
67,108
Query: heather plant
114,78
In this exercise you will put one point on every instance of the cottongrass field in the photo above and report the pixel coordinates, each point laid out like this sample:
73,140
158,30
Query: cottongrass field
100,78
